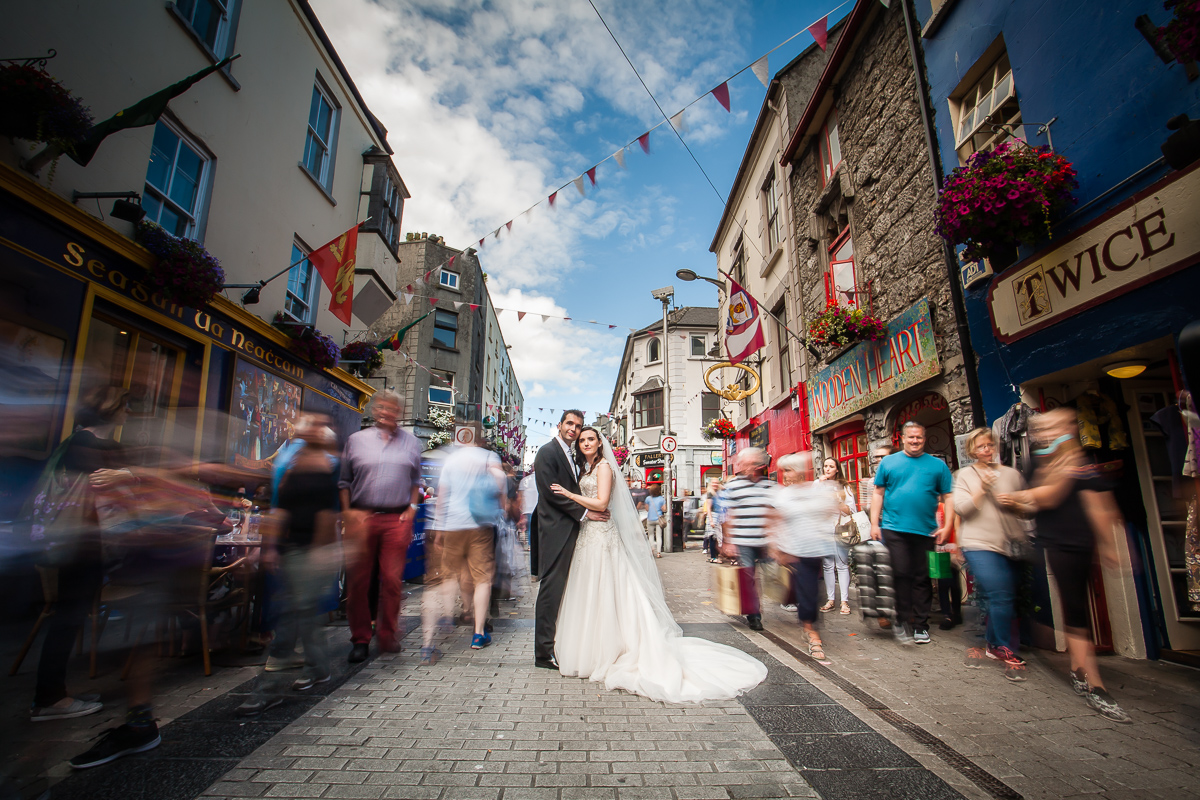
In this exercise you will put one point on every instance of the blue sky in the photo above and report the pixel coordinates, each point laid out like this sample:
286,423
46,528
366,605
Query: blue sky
492,106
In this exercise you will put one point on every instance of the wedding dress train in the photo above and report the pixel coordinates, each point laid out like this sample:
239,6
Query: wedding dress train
614,626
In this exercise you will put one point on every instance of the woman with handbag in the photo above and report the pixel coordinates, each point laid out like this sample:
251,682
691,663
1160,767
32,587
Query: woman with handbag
992,538
846,537
801,536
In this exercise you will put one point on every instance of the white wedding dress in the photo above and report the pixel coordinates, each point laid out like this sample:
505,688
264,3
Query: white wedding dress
614,626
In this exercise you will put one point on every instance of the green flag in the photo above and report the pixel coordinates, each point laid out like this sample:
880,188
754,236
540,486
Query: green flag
143,112
396,338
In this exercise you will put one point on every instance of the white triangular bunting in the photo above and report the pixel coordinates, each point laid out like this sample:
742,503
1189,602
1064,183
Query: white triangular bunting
620,157
579,186
762,71
458,305
408,298
678,123
545,317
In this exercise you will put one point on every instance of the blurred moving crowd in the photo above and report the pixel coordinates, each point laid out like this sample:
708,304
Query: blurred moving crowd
181,549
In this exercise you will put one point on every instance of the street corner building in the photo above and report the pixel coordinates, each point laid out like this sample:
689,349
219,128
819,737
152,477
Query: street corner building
255,163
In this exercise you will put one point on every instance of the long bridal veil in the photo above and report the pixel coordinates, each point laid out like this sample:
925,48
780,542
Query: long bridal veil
637,548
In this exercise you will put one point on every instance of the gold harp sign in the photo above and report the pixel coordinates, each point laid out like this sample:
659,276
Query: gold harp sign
732,391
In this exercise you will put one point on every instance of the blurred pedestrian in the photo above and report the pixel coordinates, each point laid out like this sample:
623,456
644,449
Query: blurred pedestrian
802,520
989,534
1077,519
380,491
471,493
656,521
908,487
527,497
300,545
836,565
748,500
713,513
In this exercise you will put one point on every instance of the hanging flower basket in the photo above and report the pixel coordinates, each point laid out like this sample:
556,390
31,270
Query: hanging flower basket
621,454
367,353
1182,34
839,326
185,273
38,108
1004,197
318,349
719,428
443,420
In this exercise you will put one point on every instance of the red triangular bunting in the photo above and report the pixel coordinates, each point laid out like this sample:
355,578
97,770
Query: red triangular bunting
474,306
508,224
433,301
722,94
610,327
820,31
450,263
408,288
591,173
644,141
520,315
553,197
481,242
427,274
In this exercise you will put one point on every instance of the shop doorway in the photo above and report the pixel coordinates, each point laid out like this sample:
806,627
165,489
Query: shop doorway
1165,498
932,411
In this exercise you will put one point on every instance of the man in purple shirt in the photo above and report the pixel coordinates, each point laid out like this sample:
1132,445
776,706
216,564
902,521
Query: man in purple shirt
380,491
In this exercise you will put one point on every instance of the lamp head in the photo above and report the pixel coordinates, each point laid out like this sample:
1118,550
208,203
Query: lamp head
129,210
686,274
251,296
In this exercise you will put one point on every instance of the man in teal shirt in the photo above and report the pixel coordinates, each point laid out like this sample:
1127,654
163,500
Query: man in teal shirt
908,487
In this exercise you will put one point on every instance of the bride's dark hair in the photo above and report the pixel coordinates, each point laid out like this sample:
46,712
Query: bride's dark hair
581,459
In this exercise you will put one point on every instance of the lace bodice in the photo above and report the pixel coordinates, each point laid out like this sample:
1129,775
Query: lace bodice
592,533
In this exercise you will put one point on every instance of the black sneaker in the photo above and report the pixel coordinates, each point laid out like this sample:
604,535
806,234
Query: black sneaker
1104,704
253,707
118,742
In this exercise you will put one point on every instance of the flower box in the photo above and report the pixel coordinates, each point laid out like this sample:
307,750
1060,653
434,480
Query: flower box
1003,198
1182,34
308,343
719,428
366,357
185,273
842,326
40,109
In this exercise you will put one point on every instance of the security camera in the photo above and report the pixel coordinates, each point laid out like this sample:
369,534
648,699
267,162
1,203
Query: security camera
664,293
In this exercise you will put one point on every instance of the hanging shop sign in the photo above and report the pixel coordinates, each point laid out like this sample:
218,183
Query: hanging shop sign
716,457
648,459
872,371
1148,237
760,435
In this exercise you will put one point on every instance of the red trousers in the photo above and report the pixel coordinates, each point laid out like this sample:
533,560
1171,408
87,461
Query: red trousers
381,539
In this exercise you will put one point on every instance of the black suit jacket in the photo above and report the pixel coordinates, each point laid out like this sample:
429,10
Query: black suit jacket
556,518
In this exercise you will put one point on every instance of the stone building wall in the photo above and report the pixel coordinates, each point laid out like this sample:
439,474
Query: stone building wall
885,188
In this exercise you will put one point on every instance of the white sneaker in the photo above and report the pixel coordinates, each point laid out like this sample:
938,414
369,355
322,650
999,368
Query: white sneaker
789,607
67,708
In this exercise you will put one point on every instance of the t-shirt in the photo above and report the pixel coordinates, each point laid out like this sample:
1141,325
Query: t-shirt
639,496
808,514
746,504
654,508
461,469
529,494
912,488
303,495
1067,527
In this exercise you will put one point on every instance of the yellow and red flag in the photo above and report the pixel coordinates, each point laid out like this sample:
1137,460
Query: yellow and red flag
335,263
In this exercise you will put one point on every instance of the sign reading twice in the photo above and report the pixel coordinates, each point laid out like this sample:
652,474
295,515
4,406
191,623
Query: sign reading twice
1147,237
875,370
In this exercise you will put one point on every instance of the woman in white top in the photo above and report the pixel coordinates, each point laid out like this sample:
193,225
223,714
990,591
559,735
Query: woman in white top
801,535
838,562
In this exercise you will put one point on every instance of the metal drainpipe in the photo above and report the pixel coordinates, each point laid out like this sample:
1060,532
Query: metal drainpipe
948,255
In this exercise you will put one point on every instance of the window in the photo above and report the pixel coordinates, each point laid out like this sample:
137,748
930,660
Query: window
648,409
737,263
839,282
772,211
441,388
302,290
209,20
698,346
175,182
319,140
851,454
987,112
830,147
449,279
445,328
653,350
710,407
389,213
784,341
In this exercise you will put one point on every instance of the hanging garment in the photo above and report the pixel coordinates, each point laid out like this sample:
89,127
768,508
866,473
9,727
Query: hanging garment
1191,555
1096,410
1170,422
1191,423
1011,433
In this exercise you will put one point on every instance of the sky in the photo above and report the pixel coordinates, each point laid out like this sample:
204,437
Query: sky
491,106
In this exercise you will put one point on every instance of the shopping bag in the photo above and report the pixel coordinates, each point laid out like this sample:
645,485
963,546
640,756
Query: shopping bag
939,565
726,585
776,583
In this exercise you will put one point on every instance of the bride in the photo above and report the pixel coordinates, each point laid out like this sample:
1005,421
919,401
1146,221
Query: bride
614,626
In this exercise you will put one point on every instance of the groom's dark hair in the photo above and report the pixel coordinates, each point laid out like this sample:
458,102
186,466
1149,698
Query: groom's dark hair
575,412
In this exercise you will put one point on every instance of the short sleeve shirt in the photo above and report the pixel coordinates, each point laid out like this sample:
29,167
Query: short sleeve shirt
654,508
912,488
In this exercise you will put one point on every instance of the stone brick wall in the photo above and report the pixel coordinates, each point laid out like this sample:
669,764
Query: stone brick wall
886,182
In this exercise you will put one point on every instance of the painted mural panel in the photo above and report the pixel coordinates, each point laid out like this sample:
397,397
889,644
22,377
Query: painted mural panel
264,410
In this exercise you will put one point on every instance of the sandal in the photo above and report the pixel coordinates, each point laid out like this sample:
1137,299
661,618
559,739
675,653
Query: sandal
816,650
828,606
845,607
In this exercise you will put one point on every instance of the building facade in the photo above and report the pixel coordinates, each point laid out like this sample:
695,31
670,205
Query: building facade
637,411
862,188
260,163
1091,316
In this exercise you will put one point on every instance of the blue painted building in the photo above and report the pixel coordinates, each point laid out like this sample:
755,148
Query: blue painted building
1091,317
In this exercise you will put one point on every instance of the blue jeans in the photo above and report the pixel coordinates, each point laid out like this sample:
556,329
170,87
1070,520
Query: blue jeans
995,576
748,557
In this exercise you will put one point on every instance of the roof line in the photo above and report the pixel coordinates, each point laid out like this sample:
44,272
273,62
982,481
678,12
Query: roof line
311,16
841,50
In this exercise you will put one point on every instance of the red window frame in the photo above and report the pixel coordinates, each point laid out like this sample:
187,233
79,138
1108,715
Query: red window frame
831,288
825,150
852,452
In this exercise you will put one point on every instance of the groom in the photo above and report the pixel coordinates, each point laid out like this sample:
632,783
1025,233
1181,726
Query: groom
554,528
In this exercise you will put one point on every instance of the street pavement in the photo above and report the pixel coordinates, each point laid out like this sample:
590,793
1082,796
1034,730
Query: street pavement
874,721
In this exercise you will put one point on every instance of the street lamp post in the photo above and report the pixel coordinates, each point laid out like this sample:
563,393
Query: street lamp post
665,294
